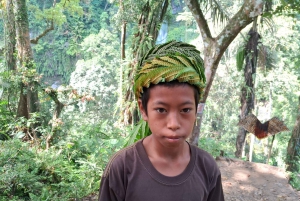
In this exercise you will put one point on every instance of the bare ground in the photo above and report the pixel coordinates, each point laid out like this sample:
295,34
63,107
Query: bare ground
246,181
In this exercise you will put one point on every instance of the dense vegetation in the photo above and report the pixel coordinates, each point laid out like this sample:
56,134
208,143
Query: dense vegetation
59,151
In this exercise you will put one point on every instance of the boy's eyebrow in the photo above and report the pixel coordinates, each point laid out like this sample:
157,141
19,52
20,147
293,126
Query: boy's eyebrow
184,103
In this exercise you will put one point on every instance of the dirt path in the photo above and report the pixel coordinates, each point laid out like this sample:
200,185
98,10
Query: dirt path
246,181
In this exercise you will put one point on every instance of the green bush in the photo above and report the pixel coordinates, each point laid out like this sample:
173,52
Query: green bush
295,181
5,118
210,145
60,173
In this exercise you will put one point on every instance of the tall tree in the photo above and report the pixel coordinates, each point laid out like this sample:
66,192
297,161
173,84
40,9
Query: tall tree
253,50
248,92
214,47
28,101
19,54
10,36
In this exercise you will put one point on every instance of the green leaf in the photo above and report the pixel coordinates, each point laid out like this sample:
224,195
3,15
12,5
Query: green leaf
133,134
140,131
20,134
240,56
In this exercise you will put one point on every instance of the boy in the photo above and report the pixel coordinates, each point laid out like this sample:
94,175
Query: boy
163,166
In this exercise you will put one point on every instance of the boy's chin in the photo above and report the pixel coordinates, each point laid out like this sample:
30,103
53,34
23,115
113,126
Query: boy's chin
173,140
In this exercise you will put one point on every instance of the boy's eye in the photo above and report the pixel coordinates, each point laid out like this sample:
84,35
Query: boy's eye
186,110
161,110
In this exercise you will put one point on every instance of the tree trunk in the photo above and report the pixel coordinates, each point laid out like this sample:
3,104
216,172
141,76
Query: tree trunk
193,139
293,149
28,102
240,141
33,98
55,120
252,139
25,56
123,40
270,149
123,31
214,47
22,110
248,92
10,36
269,117
25,59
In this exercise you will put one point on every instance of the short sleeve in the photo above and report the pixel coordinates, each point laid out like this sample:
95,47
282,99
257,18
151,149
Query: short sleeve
106,193
112,186
216,194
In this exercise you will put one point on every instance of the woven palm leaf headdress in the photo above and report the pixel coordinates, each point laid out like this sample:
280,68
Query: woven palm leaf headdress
170,61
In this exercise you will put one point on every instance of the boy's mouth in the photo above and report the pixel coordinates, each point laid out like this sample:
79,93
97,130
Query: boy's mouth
173,139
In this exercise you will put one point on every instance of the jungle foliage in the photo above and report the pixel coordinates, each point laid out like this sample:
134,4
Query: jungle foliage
60,152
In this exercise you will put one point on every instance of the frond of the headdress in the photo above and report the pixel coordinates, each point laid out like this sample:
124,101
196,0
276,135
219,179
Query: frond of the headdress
168,62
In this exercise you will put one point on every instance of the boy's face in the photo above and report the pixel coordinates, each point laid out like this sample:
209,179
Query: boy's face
171,113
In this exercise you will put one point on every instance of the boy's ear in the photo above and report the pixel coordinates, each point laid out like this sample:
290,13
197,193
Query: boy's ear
142,110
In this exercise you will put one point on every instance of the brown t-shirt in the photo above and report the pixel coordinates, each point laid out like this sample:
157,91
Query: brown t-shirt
130,176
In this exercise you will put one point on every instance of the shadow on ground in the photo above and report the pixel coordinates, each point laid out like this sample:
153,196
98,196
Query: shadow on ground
246,181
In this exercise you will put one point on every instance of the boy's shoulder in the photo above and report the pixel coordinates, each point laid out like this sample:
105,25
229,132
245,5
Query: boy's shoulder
125,155
202,152
203,158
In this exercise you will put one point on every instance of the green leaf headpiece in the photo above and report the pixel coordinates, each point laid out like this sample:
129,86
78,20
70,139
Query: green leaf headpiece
170,61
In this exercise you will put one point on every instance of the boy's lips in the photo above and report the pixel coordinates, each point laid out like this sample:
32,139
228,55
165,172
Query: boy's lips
173,138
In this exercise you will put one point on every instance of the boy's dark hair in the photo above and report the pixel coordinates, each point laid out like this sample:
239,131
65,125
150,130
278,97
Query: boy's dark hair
146,91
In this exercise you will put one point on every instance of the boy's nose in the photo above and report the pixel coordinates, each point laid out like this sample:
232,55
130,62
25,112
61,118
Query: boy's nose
173,122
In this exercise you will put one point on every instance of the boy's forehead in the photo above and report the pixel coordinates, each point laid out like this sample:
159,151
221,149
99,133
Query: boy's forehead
170,87
183,92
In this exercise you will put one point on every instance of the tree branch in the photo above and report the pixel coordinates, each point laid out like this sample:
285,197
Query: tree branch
239,21
35,41
194,7
213,54
214,48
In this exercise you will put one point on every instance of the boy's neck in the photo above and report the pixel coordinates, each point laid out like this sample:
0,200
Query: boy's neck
168,161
